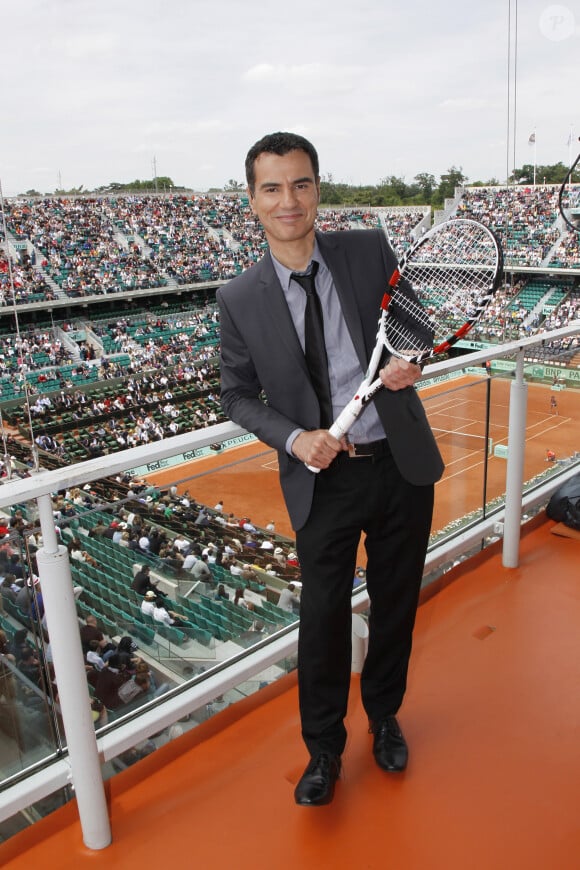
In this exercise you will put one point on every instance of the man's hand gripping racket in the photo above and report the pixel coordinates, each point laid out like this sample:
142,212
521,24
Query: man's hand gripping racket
453,272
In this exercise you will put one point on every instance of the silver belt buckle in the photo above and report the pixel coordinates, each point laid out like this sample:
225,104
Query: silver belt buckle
352,452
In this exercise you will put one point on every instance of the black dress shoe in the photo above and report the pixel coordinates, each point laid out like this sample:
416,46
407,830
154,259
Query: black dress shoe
389,746
316,787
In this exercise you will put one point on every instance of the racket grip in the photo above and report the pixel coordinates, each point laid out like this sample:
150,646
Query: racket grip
342,424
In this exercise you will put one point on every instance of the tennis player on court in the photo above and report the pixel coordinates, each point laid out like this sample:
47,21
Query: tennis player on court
380,485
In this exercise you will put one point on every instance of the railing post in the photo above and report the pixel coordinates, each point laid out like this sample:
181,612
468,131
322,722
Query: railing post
67,656
515,465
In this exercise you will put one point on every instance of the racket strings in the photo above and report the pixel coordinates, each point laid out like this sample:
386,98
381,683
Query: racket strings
453,274
406,339
405,308
455,290
457,243
447,299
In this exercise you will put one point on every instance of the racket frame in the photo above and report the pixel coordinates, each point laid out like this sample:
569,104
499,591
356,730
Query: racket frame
371,383
568,180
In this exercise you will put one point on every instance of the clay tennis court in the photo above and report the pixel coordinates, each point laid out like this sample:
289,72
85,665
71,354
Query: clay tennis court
246,477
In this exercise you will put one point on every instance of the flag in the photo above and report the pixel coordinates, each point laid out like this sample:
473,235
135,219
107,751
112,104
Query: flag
532,139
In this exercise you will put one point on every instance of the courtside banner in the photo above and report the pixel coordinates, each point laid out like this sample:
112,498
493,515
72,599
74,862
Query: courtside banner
189,455
540,371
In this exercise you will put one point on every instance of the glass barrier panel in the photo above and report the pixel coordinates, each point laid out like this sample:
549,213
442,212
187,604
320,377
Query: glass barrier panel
147,624
457,413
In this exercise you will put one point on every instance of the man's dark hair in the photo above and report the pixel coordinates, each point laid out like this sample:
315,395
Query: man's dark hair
279,143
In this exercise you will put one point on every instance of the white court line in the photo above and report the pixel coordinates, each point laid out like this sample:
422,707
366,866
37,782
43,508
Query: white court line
459,472
446,406
531,437
546,428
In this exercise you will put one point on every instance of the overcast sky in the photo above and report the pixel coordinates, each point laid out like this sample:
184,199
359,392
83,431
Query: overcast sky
92,91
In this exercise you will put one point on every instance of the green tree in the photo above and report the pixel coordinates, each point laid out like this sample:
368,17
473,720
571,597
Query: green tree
329,192
451,179
161,184
554,174
74,191
426,184
395,187
233,185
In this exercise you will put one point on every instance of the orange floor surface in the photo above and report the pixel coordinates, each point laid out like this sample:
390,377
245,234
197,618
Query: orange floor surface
492,717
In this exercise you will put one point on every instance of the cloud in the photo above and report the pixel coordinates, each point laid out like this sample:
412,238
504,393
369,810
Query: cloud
385,88
328,77
463,104
80,46
185,128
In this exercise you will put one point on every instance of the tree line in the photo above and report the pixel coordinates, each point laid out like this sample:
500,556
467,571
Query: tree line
424,189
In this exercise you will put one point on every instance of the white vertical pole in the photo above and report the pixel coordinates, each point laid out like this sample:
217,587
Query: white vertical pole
515,465
360,642
67,655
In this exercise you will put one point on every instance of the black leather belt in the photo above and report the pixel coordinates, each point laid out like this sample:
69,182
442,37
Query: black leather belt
369,450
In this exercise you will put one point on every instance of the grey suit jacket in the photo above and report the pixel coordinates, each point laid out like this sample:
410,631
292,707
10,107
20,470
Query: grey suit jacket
261,353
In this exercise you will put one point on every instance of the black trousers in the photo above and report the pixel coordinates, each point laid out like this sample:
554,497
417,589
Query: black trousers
355,496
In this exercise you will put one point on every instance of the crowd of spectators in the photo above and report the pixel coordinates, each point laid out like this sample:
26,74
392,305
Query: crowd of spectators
527,221
33,349
154,353
79,247
499,317
509,316
116,348
168,534
567,311
171,531
21,282
149,407
100,245
177,338
177,233
567,254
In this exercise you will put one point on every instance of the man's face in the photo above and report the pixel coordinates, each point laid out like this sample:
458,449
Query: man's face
285,196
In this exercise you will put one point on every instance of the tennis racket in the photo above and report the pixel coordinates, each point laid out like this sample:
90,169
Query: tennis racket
569,199
438,291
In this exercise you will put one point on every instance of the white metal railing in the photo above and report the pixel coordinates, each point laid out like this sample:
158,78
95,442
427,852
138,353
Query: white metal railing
44,482
81,765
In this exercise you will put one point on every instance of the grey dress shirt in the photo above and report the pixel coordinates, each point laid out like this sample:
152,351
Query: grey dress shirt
344,368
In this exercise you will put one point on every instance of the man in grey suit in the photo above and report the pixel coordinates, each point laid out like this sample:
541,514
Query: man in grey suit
378,482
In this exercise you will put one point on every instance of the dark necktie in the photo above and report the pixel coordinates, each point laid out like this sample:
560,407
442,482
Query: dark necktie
314,346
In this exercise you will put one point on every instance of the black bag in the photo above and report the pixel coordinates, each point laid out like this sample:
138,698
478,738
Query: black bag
564,506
